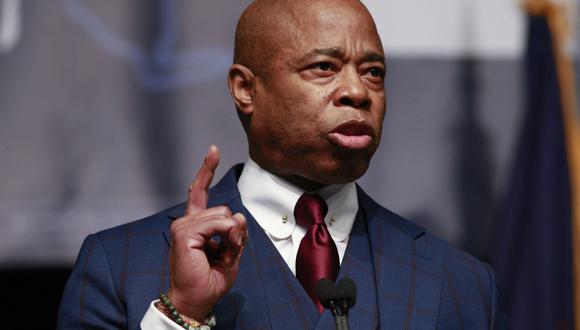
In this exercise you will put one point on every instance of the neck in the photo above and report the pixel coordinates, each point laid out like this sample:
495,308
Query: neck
299,181
303,183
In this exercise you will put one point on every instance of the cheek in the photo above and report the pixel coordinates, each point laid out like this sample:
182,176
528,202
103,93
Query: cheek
326,93
306,105
301,111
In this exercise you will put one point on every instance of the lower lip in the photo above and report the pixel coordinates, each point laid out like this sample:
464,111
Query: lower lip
351,141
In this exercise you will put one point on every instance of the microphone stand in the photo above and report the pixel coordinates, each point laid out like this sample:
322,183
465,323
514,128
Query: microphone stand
338,299
340,314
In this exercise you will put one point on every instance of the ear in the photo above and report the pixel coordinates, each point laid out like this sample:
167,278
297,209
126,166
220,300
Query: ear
241,82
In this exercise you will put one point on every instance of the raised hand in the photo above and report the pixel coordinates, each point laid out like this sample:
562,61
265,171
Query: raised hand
202,270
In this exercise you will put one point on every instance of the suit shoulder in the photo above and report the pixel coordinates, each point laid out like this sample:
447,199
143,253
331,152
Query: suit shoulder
373,210
137,246
117,273
426,243
468,286
465,287
464,277
456,262
466,281
139,239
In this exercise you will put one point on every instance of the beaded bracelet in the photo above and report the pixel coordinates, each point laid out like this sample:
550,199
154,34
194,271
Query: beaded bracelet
187,323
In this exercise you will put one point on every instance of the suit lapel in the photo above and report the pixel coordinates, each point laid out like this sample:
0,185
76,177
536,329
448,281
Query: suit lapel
246,304
408,288
288,305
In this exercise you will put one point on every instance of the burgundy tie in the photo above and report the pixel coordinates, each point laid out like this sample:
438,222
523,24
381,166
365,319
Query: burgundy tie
317,255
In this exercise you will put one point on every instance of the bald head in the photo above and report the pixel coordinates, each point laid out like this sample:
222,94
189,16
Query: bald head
308,84
266,26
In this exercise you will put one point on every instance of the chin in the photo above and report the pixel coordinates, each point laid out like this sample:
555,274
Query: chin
343,171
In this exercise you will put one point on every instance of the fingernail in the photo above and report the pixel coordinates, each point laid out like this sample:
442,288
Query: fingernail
240,240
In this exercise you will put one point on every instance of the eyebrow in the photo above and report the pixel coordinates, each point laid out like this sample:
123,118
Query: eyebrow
373,57
337,52
332,52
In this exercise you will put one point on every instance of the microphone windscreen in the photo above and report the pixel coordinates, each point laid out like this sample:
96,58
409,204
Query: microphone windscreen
325,291
346,289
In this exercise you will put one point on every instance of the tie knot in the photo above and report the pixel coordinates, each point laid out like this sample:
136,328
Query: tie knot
310,210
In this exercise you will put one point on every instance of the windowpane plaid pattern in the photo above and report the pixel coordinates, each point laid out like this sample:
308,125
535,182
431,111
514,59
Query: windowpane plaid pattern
406,279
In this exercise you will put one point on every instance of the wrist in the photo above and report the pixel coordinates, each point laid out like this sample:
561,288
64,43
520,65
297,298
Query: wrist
184,307
165,306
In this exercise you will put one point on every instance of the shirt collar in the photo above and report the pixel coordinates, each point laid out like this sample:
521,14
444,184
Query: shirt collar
271,200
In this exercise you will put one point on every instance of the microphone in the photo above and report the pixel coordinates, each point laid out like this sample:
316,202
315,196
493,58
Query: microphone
338,299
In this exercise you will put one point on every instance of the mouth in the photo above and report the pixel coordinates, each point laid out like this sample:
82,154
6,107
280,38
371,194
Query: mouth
352,135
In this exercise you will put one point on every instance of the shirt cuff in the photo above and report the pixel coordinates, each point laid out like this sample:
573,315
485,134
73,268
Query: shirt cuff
154,319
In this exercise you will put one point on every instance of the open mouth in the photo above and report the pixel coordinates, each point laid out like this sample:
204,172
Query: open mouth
352,135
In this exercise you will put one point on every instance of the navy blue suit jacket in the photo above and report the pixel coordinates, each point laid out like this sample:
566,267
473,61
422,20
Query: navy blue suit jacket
406,278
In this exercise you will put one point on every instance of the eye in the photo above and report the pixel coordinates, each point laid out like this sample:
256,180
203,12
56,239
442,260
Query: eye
323,66
376,72
320,71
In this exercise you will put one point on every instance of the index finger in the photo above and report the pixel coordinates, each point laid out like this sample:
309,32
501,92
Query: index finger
198,191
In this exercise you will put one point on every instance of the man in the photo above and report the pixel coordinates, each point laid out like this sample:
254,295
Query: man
308,85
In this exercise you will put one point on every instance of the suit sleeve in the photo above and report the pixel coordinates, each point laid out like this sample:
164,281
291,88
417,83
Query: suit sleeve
90,298
498,317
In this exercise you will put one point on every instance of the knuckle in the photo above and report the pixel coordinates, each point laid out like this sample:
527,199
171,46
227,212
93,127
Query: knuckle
174,226
178,226
241,219
224,210
175,232
236,226
197,186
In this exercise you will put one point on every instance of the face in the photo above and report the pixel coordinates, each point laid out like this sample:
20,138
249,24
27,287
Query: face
318,112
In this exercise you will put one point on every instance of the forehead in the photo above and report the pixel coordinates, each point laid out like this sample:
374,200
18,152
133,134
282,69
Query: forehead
324,24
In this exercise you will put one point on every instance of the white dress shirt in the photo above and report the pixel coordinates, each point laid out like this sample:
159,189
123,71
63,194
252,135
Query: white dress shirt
271,200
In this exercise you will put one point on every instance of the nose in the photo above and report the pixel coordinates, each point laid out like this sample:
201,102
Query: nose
352,92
